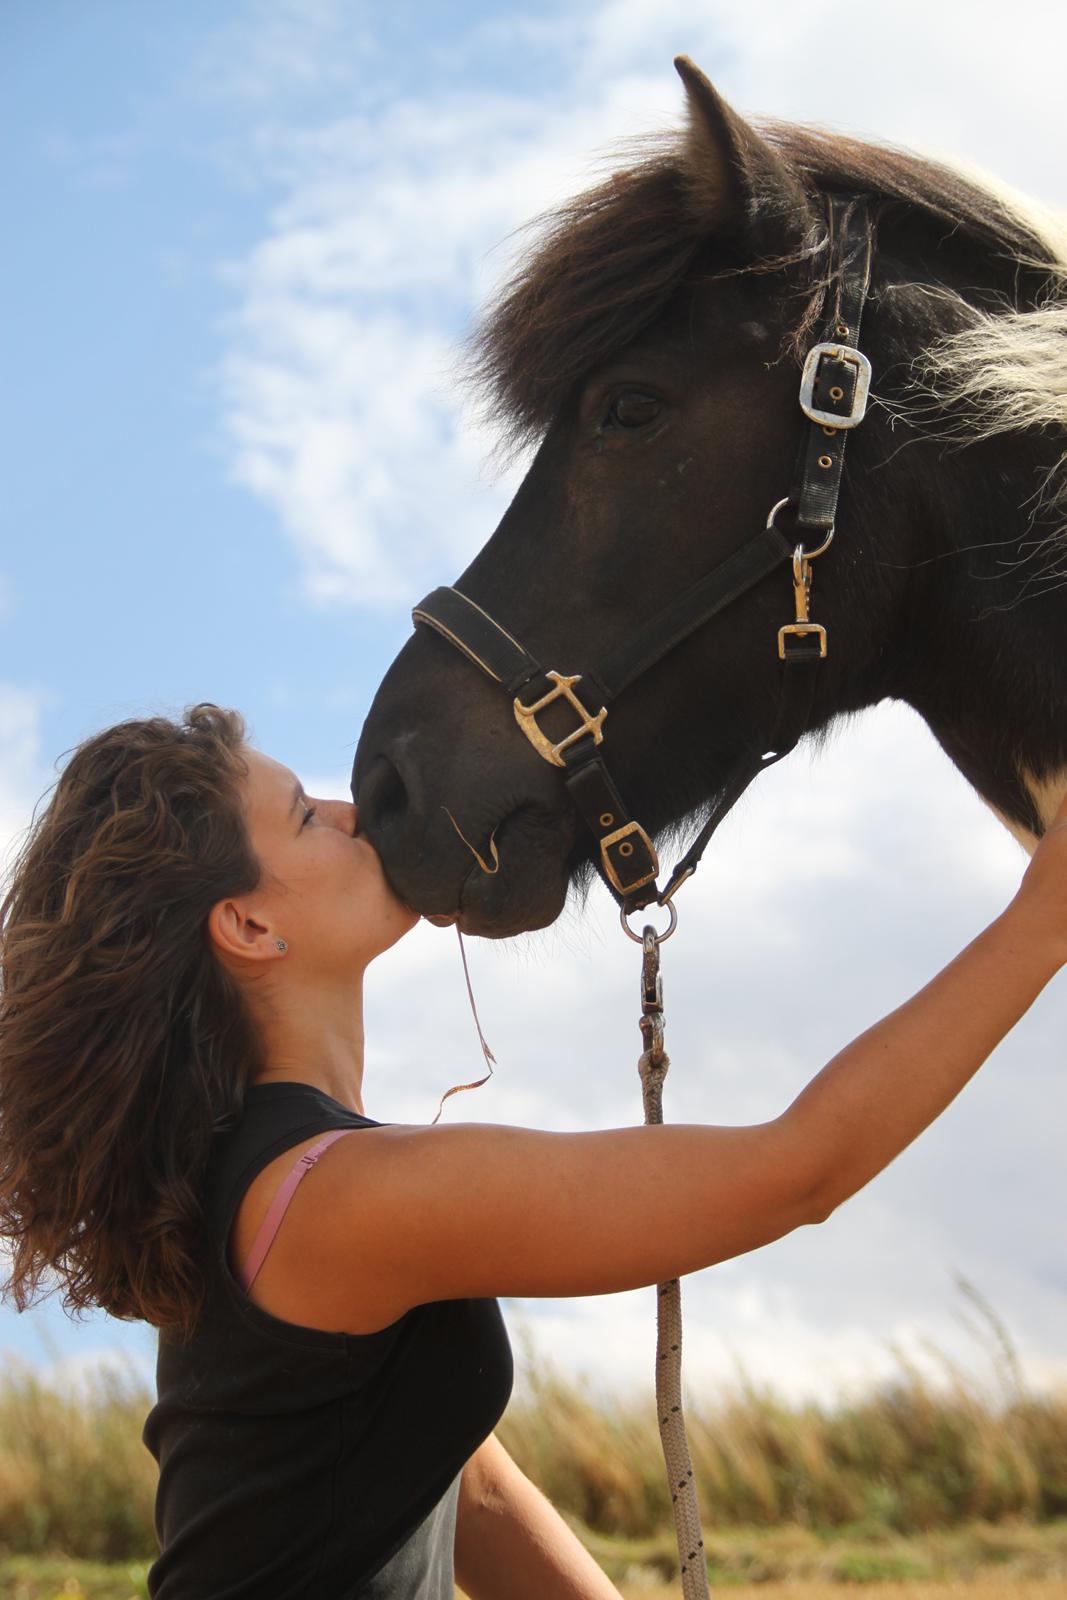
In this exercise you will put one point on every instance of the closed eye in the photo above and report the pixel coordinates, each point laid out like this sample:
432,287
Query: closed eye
309,812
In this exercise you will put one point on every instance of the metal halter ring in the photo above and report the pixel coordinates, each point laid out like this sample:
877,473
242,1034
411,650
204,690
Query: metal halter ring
639,938
808,555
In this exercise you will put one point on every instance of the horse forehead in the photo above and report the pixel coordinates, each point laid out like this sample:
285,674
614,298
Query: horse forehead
754,332
693,340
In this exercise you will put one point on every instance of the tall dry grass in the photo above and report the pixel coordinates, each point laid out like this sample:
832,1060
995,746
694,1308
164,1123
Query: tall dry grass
912,1458
74,1474
907,1459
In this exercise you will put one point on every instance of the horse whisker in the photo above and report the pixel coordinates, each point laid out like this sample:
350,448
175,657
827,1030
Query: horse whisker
489,871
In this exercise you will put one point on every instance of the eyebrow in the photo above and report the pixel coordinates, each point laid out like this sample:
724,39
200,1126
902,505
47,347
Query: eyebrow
298,794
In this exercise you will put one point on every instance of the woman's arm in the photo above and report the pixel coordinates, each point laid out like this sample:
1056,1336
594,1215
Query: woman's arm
511,1544
435,1213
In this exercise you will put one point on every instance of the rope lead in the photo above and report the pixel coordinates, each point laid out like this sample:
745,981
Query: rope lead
652,1067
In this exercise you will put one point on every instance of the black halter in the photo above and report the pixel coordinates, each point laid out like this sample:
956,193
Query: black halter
833,396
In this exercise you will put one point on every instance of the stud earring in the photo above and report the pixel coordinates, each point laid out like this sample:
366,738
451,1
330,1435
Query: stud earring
282,946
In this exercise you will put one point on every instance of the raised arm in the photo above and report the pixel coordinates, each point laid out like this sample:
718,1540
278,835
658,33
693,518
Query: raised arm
442,1212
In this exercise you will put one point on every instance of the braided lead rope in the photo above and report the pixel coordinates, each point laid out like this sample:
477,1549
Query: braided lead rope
652,1068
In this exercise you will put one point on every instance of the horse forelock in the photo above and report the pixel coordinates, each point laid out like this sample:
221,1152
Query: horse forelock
607,264
604,267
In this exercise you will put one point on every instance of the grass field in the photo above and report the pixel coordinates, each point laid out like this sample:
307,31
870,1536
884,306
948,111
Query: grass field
58,1578
983,1561
798,1561
918,1489
987,1588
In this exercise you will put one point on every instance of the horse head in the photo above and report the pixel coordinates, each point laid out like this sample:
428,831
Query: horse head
651,348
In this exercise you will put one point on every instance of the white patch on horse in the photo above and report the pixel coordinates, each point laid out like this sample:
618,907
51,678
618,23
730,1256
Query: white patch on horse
1047,795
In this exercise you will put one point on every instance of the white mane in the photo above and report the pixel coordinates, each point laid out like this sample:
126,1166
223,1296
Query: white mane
1007,371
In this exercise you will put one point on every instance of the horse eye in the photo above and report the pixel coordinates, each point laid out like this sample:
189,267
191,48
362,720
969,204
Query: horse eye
634,409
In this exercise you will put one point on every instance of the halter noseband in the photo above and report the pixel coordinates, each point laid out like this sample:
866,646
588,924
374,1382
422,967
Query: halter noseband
834,387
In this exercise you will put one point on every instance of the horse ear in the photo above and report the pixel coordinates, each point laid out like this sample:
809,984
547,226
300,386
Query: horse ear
738,179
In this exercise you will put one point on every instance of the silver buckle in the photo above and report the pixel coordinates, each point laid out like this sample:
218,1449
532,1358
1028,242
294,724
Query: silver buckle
837,352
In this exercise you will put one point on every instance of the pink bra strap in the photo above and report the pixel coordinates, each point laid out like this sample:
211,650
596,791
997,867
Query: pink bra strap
271,1222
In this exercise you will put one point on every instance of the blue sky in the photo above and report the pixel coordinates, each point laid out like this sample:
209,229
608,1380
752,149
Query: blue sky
247,236
135,570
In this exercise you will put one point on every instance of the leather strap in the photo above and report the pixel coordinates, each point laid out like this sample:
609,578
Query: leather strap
822,456
483,641
628,858
733,577
820,465
490,647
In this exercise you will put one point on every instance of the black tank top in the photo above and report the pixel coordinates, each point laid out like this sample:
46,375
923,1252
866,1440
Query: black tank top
300,1463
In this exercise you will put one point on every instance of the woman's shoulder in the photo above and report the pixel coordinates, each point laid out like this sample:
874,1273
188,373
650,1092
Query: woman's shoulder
283,1121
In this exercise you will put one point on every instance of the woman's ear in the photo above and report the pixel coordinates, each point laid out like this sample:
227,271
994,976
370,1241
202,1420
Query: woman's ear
238,935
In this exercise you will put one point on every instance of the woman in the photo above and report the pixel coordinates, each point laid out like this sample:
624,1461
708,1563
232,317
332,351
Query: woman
181,1041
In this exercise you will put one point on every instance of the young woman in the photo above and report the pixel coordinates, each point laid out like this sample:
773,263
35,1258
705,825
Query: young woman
183,949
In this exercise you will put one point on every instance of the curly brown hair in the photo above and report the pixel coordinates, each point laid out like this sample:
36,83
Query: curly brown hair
124,1044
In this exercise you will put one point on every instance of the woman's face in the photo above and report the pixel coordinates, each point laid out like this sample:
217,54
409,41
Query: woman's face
322,889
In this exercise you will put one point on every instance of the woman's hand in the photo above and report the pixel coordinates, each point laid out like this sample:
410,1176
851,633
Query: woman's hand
1042,895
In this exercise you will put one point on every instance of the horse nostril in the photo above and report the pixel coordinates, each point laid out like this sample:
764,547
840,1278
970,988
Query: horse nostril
383,797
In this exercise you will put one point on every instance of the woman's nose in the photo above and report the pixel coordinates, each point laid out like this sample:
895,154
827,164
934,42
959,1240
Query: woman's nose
339,813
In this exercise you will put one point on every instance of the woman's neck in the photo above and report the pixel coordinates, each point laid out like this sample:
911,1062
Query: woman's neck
316,1039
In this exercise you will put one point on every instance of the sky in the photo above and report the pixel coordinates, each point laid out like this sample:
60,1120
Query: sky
249,237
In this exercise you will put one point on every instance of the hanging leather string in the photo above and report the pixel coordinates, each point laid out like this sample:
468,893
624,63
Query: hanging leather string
490,1058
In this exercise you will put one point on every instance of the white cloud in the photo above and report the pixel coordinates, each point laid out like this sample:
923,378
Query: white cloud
342,407
22,775
22,778
762,1333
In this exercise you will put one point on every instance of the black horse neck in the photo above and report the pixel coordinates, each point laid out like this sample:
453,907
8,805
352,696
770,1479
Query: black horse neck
979,648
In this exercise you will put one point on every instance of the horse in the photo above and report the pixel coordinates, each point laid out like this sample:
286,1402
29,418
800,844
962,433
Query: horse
649,349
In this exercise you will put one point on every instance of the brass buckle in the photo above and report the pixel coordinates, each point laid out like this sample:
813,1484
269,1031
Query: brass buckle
801,630
526,717
609,865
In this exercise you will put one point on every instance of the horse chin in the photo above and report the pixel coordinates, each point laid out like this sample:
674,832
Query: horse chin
527,891
499,908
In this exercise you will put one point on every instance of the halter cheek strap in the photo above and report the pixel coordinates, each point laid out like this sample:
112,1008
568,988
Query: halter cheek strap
833,395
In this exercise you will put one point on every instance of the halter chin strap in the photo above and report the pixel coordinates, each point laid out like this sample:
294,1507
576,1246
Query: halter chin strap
833,396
